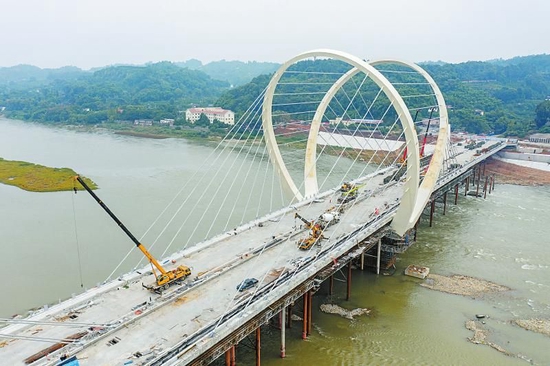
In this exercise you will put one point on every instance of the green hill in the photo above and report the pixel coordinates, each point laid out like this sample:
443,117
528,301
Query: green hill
498,96
114,93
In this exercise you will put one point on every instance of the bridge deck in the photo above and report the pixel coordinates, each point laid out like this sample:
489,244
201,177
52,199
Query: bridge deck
129,319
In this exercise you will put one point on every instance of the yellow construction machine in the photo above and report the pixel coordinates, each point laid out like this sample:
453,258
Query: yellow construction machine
315,235
163,277
349,192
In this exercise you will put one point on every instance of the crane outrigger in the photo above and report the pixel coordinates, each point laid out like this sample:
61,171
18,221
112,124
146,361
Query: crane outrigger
165,278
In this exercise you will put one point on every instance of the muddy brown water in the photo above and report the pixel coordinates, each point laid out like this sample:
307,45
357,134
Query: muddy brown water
504,239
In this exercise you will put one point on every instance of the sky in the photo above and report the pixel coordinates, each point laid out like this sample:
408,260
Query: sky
92,33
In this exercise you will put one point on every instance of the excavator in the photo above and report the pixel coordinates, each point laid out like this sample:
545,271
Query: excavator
315,235
163,277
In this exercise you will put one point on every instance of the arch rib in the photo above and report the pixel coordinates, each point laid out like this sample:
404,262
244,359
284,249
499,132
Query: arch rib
412,177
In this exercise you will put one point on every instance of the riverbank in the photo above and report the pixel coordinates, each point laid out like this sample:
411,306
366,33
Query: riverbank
509,173
39,178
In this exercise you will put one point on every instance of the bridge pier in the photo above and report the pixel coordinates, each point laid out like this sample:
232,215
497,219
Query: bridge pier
331,285
283,345
289,316
485,187
378,256
306,316
258,346
348,287
444,202
309,312
228,357
432,209
456,194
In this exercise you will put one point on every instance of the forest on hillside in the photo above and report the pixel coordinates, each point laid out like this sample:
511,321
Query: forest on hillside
509,97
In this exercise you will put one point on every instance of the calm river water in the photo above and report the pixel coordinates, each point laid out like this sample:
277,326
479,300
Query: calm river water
504,239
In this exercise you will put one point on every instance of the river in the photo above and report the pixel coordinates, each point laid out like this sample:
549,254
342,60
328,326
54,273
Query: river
52,243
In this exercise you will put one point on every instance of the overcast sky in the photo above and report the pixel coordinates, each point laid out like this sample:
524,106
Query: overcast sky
90,33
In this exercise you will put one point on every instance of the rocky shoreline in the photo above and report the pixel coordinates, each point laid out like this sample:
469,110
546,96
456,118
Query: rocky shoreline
508,173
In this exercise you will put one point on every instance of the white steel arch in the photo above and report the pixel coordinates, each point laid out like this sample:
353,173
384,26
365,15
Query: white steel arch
405,218
402,220
415,195
412,178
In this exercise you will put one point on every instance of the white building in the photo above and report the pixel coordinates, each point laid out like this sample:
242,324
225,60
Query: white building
222,115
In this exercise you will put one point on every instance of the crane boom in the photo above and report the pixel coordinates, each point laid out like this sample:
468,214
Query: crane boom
307,223
140,246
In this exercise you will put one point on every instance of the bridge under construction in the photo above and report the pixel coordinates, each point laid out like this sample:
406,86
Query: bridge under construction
353,185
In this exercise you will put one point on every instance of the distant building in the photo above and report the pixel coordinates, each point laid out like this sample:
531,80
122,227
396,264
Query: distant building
167,122
540,137
143,122
222,115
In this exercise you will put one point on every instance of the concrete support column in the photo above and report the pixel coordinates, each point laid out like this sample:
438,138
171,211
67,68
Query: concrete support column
416,228
493,185
283,345
456,194
348,289
477,189
289,316
378,254
485,187
444,202
362,260
258,347
306,316
467,186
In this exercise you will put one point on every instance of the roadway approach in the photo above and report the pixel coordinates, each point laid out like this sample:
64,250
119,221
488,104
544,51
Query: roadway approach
120,321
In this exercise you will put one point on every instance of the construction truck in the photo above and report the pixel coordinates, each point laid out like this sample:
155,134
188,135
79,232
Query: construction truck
330,217
163,278
348,193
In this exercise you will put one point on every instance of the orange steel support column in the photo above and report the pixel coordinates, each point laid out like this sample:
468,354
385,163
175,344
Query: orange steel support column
348,292
304,327
258,347
283,334
233,356
309,312
228,357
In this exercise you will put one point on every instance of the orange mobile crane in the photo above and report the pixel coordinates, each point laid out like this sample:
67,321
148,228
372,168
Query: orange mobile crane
163,279
315,235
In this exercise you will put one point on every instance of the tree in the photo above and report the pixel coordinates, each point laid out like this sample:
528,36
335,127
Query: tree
542,113
203,121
